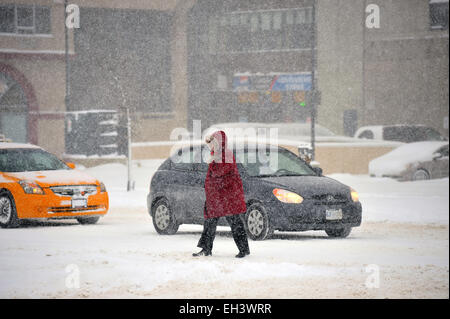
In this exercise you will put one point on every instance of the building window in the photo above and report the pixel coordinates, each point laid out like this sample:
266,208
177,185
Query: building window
439,14
13,109
25,19
266,30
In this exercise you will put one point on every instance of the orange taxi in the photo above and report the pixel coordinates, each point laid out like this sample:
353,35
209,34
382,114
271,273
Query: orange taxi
35,184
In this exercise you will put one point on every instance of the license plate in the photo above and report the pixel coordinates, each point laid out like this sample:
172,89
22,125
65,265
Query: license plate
333,214
79,202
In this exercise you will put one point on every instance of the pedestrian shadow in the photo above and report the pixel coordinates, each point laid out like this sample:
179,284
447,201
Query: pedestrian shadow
219,233
300,236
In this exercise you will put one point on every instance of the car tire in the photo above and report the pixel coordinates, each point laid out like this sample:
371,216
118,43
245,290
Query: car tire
338,232
420,175
88,220
257,223
8,213
163,218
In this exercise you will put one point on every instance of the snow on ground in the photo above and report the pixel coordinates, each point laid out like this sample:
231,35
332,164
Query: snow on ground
404,236
385,199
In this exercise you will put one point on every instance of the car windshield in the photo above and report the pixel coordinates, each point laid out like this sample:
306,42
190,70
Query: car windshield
273,163
26,160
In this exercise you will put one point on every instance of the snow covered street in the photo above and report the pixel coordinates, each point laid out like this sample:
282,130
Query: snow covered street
123,121
400,251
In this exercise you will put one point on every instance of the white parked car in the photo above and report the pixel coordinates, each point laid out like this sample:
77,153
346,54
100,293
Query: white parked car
286,131
413,161
399,133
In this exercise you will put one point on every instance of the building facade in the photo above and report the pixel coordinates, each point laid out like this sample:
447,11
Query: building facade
394,74
175,61
125,53
249,60
32,72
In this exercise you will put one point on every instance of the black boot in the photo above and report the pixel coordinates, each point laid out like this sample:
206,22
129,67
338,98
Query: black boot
202,252
242,254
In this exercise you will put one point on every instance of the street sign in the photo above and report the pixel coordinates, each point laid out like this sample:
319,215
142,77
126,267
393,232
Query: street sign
272,82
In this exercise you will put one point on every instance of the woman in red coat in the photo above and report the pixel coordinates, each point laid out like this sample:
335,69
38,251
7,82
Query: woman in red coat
224,197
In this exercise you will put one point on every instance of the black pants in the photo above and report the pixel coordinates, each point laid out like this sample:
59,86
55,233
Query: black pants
237,229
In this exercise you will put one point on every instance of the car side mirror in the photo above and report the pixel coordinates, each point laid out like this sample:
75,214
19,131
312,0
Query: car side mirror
318,171
71,165
437,156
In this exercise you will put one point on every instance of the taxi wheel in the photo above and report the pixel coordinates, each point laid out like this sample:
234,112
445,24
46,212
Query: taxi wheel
8,214
88,220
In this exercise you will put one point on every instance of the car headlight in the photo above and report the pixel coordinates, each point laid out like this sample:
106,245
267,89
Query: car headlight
102,188
287,197
31,188
354,194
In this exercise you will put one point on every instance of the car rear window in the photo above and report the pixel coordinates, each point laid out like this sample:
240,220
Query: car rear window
409,134
367,135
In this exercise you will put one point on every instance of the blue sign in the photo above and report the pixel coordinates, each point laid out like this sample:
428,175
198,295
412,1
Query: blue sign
267,83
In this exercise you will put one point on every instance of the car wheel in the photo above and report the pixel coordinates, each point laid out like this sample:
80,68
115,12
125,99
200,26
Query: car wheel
163,219
8,214
338,232
257,223
421,175
88,220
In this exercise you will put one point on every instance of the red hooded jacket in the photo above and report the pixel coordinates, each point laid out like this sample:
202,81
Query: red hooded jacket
223,184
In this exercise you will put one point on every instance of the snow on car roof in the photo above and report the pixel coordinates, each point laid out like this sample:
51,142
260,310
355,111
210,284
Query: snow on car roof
392,125
397,160
417,149
4,145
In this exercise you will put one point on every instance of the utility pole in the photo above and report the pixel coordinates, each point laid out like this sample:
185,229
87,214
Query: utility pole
363,64
313,84
66,52
130,182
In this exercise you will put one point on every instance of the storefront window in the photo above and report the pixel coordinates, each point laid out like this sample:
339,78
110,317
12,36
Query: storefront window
266,20
439,14
254,22
277,20
264,30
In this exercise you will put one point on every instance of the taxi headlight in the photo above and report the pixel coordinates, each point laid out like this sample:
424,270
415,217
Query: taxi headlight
31,188
102,188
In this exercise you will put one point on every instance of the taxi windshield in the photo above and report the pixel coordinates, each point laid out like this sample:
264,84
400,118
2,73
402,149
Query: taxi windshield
27,160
